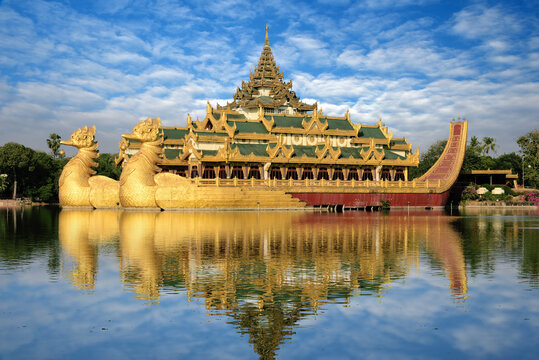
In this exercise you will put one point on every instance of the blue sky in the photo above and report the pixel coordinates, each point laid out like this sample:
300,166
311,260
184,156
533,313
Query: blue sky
415,64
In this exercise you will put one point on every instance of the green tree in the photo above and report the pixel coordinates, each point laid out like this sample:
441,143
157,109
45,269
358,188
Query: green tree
427,159
472,158
489,145
107,166
15,160
3,183
529,148
32,174
53,142
509,161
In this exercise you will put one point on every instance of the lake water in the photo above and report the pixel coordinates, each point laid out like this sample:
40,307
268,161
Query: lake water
288,285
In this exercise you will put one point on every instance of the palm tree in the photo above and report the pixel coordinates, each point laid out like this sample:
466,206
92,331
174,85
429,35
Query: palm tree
53,142
489,145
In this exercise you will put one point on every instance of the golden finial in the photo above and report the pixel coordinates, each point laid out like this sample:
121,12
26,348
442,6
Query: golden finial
267,40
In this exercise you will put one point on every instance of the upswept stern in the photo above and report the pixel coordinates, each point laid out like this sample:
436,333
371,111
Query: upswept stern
446,170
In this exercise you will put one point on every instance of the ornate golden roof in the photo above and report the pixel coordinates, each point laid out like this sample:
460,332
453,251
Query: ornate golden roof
268,76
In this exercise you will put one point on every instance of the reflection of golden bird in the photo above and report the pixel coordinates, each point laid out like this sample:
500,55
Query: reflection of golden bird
73,229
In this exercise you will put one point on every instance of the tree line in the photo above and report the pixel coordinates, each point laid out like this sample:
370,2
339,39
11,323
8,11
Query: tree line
26,173
479,156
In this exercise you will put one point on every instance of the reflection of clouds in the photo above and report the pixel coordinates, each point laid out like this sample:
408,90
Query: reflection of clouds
484,341
61,323
414,318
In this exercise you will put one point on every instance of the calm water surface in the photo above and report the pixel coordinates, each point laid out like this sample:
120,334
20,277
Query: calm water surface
292,285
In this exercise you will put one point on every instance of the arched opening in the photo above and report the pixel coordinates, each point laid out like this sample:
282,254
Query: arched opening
254,173
337,174
291,173
208,173
222,172
181,172
386,175
323,174
276,173
237,172
307,174
352,175
399,175
194,172
367,175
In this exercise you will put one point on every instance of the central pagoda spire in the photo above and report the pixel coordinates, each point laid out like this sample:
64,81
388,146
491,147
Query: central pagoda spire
266,90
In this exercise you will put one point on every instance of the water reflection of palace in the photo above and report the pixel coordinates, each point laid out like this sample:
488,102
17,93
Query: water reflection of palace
265,270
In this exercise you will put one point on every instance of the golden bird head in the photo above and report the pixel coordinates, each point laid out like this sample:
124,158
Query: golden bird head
81,138
145,131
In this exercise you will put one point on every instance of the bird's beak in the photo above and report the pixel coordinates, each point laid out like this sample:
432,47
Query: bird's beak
130,137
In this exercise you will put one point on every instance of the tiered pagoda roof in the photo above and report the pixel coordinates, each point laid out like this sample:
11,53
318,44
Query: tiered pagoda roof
267,123
266,87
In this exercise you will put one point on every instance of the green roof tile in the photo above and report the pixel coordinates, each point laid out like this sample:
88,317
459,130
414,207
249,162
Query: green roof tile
300,150
366,132
347,152
247,149
390,155
265,100
210,133
174,133
209,152
286,121
171,154
235,116
249,127
395,142
338,124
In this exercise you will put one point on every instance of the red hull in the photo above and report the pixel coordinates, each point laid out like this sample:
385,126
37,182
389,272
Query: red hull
362,199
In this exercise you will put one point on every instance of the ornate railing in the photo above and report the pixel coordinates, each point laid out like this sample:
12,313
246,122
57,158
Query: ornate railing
308,183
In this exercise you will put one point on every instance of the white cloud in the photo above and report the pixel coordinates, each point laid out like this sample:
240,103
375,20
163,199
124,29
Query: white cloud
376,4
480,21
159,58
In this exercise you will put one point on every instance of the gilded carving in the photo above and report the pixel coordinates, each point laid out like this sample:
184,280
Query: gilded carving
76,186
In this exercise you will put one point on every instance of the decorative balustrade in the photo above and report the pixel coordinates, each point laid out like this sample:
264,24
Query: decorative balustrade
309,183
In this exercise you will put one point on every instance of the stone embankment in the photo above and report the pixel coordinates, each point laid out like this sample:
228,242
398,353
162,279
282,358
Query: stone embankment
498,204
